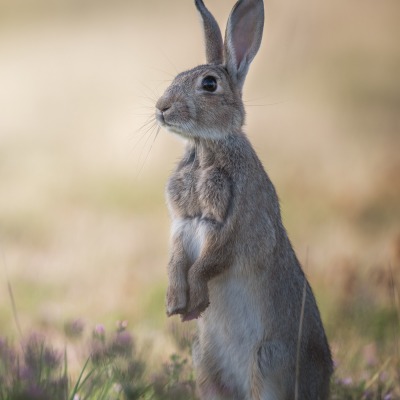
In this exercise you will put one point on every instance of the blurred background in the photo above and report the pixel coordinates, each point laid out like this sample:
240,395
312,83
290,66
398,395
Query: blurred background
83,224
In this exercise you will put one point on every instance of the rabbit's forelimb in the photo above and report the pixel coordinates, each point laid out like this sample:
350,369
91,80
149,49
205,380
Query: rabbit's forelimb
201,238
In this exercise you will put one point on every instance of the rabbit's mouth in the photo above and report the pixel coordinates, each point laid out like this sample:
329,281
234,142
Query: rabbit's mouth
163,118
177,127
160,117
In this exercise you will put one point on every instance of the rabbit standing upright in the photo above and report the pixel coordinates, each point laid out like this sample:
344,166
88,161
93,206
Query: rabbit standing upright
232,265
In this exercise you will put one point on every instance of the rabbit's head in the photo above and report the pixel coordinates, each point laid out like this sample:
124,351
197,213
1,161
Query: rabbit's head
206,102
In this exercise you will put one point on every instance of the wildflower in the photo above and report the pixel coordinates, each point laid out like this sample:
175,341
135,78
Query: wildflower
99,331
34,392
74,329
346,381
51,358
122,325
122,344
8,355
37,355
99,353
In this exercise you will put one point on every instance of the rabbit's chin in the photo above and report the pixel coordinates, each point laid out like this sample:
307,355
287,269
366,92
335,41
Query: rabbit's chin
182,133
191,133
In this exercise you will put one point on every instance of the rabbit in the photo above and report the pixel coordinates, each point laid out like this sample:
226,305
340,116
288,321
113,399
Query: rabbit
232,266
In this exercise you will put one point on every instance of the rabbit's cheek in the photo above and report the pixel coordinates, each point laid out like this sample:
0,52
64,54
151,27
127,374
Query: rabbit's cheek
192,108
176,117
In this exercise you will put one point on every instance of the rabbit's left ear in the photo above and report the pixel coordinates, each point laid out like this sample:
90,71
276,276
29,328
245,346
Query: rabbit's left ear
212,35
243,38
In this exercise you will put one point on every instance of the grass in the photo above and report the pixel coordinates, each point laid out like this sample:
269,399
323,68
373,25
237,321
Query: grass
110,365
95,363
111,368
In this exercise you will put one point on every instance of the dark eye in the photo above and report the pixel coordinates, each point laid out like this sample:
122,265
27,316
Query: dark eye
209,84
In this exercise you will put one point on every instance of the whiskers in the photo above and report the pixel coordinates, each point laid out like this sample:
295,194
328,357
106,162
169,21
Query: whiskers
145,136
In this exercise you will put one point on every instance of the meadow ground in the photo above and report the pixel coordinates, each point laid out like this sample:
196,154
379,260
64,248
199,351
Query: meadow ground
83,223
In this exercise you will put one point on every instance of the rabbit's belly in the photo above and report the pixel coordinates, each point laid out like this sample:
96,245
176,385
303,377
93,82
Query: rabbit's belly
193,231
232,329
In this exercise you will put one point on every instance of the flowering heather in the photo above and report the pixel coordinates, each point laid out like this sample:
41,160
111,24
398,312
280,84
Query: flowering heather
35,372
112,369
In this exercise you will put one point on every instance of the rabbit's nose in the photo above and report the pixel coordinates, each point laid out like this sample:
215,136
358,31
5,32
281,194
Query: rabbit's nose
163,105
165,108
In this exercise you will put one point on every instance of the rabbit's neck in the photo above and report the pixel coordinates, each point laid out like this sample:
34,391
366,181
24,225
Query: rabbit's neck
214,152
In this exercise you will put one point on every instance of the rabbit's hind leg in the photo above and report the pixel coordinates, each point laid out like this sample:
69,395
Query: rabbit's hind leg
208,390
270,371
209,381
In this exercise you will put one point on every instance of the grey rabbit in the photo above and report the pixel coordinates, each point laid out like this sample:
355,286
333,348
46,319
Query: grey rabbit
232,266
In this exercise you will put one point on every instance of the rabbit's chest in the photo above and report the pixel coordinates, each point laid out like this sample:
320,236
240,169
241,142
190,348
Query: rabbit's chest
182,195
199,194
196,202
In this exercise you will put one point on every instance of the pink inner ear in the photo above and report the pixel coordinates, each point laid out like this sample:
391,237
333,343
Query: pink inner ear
244,33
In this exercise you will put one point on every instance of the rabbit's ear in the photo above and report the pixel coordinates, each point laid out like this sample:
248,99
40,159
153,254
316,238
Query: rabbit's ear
212,34
243,38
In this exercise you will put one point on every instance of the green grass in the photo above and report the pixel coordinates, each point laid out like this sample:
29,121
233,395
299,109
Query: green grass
111,366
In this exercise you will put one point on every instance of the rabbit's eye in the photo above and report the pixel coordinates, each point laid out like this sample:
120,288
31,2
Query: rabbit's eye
209,84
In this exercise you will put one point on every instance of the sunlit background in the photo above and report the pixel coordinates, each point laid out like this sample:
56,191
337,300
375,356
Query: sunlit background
83,223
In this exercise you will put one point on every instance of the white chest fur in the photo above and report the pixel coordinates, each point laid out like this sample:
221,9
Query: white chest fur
193,232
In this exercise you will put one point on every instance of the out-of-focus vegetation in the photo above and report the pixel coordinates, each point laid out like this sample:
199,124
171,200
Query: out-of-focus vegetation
114,369
83,224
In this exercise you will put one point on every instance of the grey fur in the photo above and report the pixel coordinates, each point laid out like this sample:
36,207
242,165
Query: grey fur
212,35
232,265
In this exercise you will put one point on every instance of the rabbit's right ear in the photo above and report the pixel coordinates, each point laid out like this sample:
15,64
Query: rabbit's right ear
243,38
212,35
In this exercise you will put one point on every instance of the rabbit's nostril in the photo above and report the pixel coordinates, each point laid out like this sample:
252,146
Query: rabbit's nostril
160,114
163,104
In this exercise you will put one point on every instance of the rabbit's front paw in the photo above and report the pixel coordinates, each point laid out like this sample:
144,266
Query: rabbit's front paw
176,301
198,302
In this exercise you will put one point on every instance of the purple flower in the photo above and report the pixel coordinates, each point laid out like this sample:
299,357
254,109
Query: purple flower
346,381
8,355
122,325
74,329
99,331
99,353
122,344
